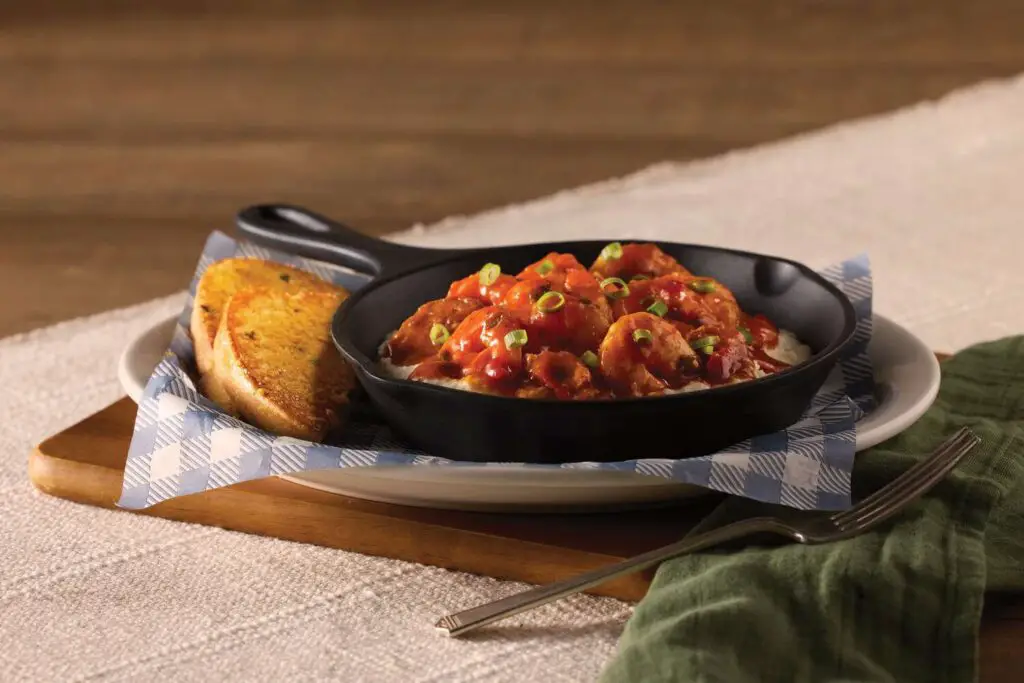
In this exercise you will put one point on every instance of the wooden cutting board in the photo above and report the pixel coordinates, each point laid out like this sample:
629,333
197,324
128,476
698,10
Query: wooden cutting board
84,463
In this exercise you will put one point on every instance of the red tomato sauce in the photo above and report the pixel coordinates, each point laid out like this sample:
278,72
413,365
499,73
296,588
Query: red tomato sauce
636,323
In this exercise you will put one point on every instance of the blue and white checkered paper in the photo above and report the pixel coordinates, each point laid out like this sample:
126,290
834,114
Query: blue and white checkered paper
183,443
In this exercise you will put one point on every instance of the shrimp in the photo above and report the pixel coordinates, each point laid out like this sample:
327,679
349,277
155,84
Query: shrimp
551,263
680,302
579,283
644,354
496,369
718,299
473,287
481,329
627,261
564,322
557,374
413,343
725,353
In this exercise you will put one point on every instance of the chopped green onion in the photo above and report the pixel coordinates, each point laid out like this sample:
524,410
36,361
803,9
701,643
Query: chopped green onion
708,350
658,308
640,336
589,359
747,337
702,286
640,276
545,267
438,334
551,302
621,288
705,343
612,251
489,274
515,339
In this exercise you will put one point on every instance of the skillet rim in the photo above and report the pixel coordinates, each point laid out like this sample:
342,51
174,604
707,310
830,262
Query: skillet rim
368,366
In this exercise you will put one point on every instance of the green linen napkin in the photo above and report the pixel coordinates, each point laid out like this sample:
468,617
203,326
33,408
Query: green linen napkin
902,603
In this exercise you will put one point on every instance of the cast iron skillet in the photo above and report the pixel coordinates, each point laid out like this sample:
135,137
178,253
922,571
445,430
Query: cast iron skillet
475,427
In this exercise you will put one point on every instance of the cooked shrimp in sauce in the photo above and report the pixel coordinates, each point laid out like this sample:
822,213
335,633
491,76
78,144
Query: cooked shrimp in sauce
636,323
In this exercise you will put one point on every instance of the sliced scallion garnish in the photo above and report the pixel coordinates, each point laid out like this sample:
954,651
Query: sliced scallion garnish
545,267
438,334
515,339
702,286
619,288
551,302
589,359
705,342
658,308
642,336
489,274
612,251
747,337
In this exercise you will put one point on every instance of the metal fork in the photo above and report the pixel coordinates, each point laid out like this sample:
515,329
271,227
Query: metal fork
808,528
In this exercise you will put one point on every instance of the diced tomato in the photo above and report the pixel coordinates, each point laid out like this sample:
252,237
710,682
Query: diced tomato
762,332
729,359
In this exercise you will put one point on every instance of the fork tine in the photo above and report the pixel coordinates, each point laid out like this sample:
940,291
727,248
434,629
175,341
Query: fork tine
898,503
920,467
920,472
906,489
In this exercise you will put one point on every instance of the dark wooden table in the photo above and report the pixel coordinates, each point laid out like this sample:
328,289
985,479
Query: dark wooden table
127,134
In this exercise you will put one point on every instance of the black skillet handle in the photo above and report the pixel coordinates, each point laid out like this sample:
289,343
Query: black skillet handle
300,231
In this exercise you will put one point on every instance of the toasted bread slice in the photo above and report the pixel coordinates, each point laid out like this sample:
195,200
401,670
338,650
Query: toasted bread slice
214,390
275,359
221,280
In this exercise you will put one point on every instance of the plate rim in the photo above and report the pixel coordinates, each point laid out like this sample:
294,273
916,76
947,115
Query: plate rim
601,494
130,384
929,364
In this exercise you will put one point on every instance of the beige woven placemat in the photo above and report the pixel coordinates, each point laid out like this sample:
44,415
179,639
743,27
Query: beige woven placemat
932,193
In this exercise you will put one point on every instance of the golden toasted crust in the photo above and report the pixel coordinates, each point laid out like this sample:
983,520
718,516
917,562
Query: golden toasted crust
213,389
275,359
223,279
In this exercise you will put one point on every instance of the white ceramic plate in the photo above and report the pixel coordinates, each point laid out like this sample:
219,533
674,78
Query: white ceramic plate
906,374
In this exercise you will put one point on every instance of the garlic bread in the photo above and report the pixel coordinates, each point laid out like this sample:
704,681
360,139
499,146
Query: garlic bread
274,357
223,279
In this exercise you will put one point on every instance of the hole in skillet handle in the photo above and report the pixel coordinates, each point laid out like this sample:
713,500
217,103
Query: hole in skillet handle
302,232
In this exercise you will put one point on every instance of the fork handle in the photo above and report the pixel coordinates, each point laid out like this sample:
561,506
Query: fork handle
462,622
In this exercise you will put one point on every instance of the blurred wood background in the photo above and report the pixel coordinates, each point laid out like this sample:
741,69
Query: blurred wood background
130,130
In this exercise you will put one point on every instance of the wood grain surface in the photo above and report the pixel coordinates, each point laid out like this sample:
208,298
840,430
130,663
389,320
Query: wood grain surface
84,463
130,130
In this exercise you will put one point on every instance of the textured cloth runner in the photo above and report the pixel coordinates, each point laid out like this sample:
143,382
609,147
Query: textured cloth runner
933,194
902,603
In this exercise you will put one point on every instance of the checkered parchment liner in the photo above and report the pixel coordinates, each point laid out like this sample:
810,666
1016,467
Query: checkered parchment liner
183,443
